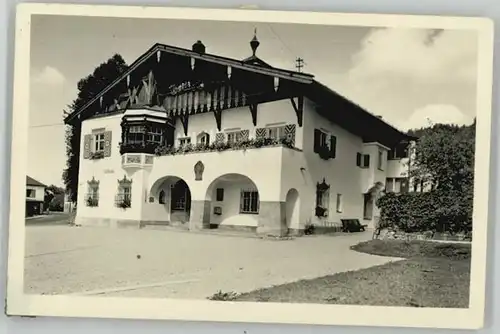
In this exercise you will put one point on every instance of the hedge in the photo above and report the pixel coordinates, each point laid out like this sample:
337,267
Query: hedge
438,211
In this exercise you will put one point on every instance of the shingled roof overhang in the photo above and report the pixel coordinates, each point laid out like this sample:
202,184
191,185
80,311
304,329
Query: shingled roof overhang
237,64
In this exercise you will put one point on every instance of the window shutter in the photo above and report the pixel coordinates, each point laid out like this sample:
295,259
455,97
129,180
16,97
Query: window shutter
107,143
317,140
366,162
358,159
242,201
87,142
244,135
333,147
260,133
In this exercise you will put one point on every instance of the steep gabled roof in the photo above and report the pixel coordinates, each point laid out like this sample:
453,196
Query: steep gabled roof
32,182
353,117
239,64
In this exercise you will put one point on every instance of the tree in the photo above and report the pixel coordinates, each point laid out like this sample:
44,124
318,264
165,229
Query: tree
88,88
444,157
54,198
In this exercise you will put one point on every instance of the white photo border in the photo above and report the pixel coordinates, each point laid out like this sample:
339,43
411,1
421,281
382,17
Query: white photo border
19,303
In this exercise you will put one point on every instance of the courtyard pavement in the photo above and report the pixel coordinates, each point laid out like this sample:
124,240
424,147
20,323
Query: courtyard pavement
175,264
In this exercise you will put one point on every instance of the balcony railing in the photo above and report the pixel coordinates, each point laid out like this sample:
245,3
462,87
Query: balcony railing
223,146
148,148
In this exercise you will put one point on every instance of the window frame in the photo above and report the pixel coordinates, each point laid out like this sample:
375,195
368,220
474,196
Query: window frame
252,207
99,141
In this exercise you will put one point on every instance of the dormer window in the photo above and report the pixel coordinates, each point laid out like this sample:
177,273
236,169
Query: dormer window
233,137
184,141
203,139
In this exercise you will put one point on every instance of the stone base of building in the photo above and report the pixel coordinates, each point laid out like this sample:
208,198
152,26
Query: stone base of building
235,228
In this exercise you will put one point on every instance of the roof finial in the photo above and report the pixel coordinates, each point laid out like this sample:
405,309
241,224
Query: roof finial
254,43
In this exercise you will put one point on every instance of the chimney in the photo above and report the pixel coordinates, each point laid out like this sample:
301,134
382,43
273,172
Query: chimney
199,47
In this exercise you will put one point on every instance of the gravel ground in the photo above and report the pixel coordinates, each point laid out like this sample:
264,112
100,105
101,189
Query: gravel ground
175,264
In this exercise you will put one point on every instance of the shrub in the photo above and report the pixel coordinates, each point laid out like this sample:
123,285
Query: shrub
438,211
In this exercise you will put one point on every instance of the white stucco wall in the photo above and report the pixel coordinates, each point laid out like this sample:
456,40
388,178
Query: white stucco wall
307,169
274,170
108,171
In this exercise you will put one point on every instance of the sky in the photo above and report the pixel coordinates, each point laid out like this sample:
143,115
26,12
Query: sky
410,77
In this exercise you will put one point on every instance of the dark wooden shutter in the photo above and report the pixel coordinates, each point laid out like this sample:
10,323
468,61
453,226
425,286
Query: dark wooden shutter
87,142
208,139
333,147
107,143
317,140
366,162
358,159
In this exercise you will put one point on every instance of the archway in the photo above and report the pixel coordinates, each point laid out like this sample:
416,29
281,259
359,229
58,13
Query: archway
292,202
172,196
234,202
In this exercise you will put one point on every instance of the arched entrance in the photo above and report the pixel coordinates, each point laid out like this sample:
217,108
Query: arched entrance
234,202
292,209
174,196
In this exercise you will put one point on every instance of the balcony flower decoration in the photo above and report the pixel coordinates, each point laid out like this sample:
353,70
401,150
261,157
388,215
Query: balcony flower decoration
96,155
223,146
123,203
92,201
324,152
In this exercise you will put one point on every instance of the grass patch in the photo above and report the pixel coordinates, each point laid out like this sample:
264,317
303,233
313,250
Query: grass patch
433,275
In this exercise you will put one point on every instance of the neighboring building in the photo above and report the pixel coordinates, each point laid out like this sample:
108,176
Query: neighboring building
35,195
194,140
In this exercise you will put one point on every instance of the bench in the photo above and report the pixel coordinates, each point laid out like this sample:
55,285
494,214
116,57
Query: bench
352,225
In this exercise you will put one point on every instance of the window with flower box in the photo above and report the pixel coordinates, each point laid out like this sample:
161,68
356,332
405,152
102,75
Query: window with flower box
325,145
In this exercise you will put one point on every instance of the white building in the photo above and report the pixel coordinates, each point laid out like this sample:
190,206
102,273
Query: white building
35,195
194,140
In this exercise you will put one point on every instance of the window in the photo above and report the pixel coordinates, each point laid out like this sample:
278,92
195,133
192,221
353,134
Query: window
276,132
185,141
249,202
30,193
359,159
366,161
397,185
155,135
233,137
135,134
124,198
204,139
161,197
325,145
389,185
339,203
399,152
93,193
219,196
99,142
380,160
322,199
